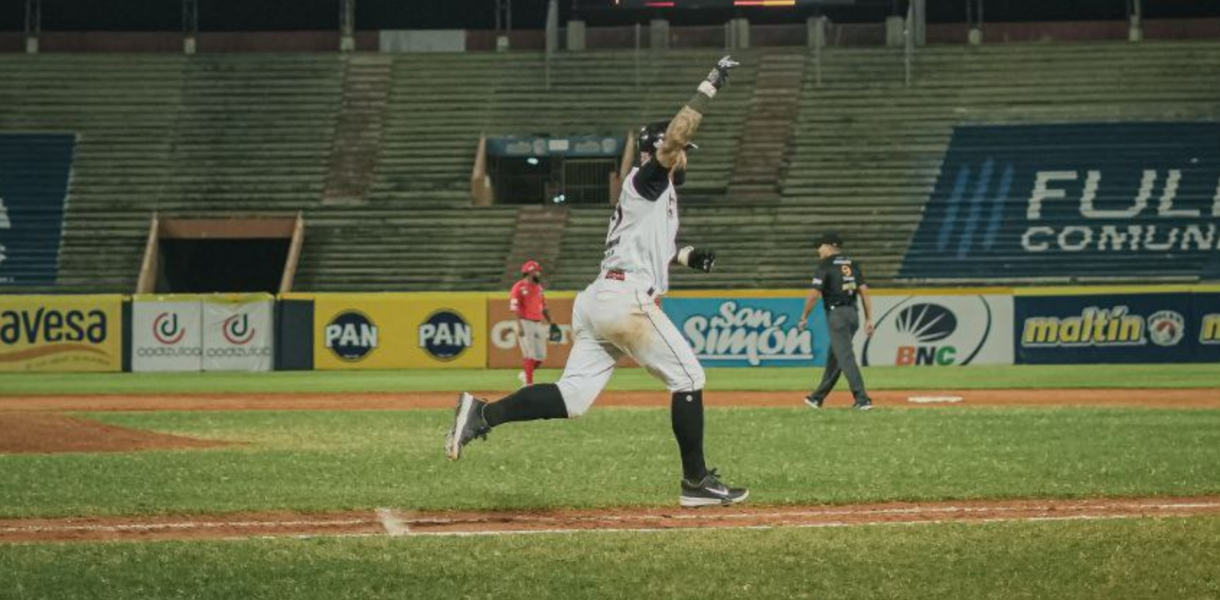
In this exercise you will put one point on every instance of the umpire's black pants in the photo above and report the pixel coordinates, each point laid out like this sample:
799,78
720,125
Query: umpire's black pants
843,322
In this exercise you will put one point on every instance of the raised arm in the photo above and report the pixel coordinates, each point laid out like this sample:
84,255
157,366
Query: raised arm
682,127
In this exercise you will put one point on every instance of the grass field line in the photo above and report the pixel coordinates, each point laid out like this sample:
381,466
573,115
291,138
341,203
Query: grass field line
823,525
914,510
391,522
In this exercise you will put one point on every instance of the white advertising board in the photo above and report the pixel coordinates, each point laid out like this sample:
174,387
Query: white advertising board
948,330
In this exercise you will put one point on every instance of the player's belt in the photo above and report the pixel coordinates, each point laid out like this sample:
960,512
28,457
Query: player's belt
620,275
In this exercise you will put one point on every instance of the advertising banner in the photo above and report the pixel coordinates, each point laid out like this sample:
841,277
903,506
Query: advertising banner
1206,307
750,332
166,333
943,330
1073,200
502,349
61,333
35,170
400,331
1109,328
238,333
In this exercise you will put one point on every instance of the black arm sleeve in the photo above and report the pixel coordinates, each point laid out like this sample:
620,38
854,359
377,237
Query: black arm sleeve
651,180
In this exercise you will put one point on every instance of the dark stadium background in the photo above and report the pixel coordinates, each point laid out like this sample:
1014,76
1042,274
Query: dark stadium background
295,15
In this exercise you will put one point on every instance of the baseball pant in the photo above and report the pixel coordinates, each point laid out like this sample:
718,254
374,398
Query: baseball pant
611,318
843,322
533,343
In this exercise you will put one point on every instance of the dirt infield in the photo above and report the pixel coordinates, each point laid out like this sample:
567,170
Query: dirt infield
1147,398
22,433
403,523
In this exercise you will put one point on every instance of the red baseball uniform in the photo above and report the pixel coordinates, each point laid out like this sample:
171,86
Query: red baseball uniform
527,300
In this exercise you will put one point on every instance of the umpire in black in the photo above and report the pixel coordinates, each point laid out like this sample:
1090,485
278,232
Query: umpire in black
838,281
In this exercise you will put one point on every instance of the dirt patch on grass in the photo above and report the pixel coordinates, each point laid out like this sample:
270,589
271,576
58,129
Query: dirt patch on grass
45,433
406,523
1145,398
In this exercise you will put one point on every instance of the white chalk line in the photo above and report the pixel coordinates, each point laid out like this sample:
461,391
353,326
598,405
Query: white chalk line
713,515
395,526
825,525
184,525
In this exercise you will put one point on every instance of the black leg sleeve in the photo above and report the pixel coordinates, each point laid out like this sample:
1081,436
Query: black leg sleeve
686,412
530,403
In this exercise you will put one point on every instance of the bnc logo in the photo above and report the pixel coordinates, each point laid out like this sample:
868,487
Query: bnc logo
351,335
237,330
926,324
1166,328
166,329
445,335
934,331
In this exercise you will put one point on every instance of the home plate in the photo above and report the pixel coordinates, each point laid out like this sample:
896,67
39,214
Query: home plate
934,399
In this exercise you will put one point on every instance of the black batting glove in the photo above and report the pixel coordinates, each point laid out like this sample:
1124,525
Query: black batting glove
702,259
720,75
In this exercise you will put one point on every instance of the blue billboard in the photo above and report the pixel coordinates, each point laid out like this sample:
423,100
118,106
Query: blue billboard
750,332
34,173
1206,333
1073,200
1117,328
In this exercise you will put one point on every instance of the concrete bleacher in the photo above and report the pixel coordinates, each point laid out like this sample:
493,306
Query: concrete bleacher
868,149
257,134
247,134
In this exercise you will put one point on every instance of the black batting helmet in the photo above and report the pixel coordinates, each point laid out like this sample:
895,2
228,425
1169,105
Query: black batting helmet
651,136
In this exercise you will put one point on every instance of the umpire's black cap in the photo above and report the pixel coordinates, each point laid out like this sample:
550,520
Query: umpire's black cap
830,237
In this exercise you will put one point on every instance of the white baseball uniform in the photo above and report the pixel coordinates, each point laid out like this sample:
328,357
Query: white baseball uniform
618,314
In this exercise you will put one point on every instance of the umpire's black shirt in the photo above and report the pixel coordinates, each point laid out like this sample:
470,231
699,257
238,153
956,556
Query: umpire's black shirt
838,277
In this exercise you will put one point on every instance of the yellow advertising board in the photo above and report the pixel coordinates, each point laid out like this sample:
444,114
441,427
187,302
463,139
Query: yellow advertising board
400,331
503,351
61,333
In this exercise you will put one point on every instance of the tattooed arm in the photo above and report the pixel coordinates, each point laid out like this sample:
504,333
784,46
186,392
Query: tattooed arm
672,153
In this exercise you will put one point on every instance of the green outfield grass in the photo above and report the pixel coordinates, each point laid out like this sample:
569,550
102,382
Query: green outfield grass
1104,560
317,461
1025,377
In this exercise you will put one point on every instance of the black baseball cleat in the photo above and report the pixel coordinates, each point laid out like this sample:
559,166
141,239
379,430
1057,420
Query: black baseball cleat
710,492
865,405
468,424
811,403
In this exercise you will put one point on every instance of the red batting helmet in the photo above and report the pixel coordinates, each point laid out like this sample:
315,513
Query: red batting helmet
531,266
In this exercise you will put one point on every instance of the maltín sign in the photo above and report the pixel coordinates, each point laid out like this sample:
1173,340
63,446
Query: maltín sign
1073,200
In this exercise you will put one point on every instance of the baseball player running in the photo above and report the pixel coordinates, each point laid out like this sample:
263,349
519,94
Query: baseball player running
838,281
527,301
617,314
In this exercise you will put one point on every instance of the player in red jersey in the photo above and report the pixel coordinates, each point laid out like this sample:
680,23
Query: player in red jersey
528,302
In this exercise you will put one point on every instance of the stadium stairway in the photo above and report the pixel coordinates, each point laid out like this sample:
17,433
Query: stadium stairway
366,89
537,236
